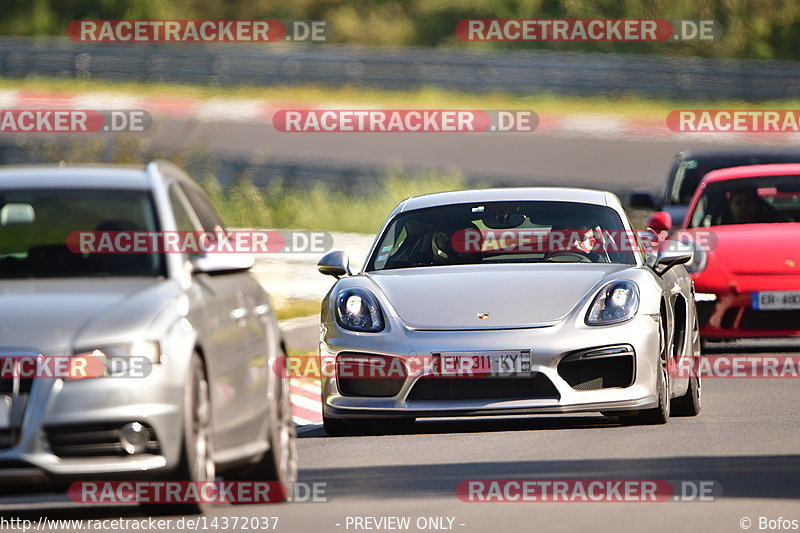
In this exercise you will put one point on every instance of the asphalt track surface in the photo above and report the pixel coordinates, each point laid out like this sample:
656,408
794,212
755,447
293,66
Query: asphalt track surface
509,159
745,440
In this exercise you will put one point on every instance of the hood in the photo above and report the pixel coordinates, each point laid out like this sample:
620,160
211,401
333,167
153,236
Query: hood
757,248
450,297
49,315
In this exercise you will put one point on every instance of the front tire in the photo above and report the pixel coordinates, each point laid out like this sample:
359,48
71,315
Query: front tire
197,462
659,414
280,462
690,403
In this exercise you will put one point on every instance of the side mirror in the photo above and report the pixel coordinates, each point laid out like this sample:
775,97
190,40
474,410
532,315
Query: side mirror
217,263
335,264
642,200
661,221
673,253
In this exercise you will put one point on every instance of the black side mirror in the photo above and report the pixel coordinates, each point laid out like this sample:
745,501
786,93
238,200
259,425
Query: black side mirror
335,264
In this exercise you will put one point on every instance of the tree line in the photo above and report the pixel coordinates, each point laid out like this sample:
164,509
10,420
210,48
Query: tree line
758,29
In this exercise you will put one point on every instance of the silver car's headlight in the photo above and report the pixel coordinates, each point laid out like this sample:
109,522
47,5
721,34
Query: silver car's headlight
358,310
122,358
616,302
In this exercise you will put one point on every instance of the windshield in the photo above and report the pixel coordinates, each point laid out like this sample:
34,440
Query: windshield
504,232
690,172
758,200
35,224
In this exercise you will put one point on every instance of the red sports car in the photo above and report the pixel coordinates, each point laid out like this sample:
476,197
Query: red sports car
744,223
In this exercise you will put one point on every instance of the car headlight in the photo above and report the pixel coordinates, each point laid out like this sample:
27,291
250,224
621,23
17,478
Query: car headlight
616,302
120,359
699,261
358,310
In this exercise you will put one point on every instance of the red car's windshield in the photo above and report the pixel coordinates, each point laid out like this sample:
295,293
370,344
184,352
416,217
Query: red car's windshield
757,200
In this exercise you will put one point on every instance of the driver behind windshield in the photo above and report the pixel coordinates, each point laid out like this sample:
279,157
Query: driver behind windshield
449,243
502,233
581,240
745,206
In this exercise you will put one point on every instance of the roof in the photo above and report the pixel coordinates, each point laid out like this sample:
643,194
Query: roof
75,177
743,153
752,171
584,196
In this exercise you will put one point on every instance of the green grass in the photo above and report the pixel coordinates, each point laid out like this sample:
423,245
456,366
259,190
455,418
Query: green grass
432,98
319,207
294,308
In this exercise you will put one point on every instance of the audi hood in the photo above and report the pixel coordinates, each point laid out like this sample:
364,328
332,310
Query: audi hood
50,315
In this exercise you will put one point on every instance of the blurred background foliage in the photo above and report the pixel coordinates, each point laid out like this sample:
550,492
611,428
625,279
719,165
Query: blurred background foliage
763,29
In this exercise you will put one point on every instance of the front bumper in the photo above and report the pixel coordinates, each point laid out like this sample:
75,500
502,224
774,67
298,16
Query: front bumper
82,405
548,345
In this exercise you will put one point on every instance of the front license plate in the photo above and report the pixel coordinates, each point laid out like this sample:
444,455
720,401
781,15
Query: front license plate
776,300
5,412
496,363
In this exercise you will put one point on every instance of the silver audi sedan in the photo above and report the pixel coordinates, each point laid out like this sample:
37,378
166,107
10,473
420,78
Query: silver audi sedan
200,328
508,301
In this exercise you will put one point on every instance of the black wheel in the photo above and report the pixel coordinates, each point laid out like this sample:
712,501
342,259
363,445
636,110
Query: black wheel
197,462
659,414
690,403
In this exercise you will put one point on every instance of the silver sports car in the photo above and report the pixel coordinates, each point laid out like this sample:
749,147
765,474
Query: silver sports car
508,301
199,327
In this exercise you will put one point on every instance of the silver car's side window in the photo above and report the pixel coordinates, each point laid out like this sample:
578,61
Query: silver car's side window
201,205
185,219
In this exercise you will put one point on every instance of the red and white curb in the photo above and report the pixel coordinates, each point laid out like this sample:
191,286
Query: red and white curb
261,111
306,402
202,110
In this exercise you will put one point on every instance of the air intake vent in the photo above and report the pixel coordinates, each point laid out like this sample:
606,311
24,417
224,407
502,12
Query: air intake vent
92,440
